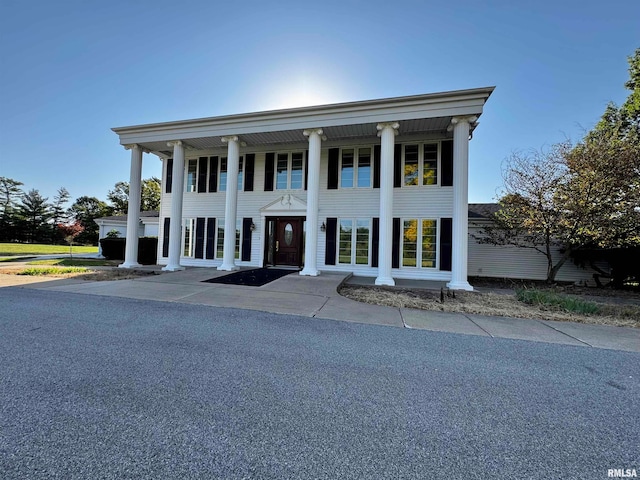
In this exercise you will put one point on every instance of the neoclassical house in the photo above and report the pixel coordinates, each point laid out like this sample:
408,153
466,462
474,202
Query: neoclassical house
378,188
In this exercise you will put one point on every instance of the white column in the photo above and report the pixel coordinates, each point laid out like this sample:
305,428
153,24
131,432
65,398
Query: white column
177,190
387,133
133,210
460,203
231,205
313,192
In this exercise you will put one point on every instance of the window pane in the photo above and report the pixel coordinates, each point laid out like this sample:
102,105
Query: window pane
223,175
187,249
430,166
429,234
347,168
240,174
281,171
411,165
410,243
362,241
220,243
192,175
238,230
296,170
344,241
364,167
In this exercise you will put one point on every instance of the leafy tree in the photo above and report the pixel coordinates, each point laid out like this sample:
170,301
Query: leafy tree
34,213
59,211
85,210
150,196
69,231
10,192
529,215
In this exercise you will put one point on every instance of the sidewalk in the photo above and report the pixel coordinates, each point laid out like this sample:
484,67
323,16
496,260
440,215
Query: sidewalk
317,297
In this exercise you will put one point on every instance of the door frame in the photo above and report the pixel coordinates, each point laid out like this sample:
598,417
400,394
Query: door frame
275,219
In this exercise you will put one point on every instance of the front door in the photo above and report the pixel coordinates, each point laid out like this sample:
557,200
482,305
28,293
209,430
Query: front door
285,248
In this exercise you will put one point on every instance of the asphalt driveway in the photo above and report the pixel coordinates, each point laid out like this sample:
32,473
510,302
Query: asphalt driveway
104,387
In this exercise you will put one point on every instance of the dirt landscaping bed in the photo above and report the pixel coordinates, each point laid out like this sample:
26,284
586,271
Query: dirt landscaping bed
562,302
50,273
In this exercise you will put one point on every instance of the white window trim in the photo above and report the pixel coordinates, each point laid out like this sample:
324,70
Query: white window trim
419,243
186,176
289,154
240,171
356,157
192,243
220,223
421,164
354,237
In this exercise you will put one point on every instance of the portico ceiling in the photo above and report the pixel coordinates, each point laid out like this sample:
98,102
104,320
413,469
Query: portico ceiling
418,114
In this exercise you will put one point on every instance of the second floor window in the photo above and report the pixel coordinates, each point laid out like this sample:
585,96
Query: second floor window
355,168
421,164
289,171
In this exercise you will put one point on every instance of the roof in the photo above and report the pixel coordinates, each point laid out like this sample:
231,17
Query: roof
123,218
483,210
416,114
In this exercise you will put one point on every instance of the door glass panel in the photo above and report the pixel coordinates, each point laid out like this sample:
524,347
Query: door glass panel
288,234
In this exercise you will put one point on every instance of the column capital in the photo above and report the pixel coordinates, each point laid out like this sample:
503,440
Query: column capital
131,146
393,125
471,120
229,138
317,131
174,143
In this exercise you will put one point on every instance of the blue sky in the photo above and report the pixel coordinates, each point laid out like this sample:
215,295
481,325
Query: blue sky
73,69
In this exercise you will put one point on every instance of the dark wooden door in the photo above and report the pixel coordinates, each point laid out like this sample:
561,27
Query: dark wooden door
289,241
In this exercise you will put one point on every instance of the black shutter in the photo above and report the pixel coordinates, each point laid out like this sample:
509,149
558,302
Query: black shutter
269,168
395,247
375,241
199,250
446,243
332,178
165,237
249,167
330,244
376,166
245,255
306,169
446,160
211,238
397,165
169,176
213,174
202,175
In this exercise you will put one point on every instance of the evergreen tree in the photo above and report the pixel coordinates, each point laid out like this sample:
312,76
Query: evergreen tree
10,192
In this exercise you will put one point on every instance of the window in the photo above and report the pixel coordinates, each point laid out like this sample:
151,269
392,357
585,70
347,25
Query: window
355,167
421,164
353,244
192,175
220,239
222,177
423,233
189,240
289,171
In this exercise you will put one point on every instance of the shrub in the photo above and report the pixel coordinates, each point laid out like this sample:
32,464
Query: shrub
114,249
551,299
52,271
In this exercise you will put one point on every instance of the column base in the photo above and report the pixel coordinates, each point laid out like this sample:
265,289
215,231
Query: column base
460,286
385,281
309,272
128,264
228,268
172,268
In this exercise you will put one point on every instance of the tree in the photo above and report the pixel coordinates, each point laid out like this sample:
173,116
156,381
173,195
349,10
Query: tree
577,196
529,215
34,213
149,200
69,231
85,210
59,211
10,192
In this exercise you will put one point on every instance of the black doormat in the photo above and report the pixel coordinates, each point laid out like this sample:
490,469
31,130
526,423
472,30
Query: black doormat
251,278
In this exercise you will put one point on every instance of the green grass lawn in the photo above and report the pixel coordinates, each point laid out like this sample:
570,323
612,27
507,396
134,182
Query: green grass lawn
74,262
13,249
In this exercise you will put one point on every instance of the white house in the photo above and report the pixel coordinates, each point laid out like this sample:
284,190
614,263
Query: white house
378,188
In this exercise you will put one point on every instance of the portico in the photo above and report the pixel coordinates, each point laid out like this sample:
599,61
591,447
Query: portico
381,187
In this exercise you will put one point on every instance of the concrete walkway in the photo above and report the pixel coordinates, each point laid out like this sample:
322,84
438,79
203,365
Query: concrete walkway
317,297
